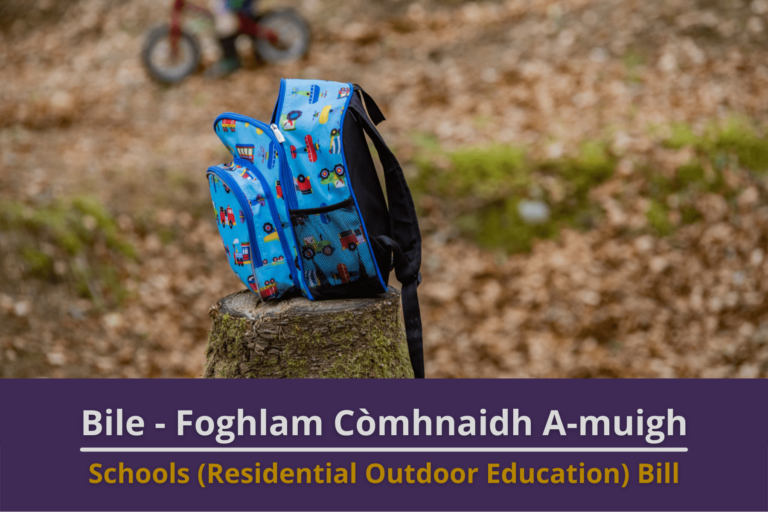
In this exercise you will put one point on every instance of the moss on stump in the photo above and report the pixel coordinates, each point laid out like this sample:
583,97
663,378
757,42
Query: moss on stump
296,338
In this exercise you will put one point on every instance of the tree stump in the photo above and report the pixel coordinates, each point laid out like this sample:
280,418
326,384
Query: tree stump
298,338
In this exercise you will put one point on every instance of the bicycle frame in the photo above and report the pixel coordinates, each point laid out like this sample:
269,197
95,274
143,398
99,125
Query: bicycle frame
178,8
247,25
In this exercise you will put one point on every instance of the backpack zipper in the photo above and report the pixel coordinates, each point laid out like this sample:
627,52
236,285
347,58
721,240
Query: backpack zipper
232,184
286,176
291,202
276,131
276,217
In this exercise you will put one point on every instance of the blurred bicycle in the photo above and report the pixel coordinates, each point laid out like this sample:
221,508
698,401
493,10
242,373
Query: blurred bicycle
172,51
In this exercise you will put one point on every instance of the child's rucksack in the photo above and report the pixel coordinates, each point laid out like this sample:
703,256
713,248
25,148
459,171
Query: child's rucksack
300,209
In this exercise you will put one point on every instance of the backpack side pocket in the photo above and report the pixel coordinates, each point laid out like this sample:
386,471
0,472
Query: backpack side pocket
336,258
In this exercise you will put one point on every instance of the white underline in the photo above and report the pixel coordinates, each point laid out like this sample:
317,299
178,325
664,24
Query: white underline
381,450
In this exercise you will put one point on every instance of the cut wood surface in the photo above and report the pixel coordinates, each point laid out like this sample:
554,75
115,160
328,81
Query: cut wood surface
298,338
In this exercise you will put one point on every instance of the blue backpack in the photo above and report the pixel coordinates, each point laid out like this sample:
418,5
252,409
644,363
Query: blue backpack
300,208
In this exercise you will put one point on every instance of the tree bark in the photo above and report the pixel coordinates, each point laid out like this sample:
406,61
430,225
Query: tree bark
297,338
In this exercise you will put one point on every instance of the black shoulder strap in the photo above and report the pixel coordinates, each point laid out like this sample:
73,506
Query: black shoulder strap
406,244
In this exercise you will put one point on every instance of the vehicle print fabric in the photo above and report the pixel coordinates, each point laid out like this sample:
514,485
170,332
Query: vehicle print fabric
233,233
327,249
333,247
312,114
267,272
292,216
311,132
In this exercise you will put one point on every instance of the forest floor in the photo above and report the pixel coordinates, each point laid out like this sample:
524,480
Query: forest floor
639,126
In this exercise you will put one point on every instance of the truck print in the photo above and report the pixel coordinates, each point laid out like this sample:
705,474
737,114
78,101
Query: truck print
230,216
351,239
269,289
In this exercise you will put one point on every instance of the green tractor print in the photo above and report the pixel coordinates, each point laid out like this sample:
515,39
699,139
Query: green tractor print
312,247
333,178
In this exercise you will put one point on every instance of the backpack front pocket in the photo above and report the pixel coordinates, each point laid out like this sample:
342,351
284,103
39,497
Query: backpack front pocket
251,230
332,246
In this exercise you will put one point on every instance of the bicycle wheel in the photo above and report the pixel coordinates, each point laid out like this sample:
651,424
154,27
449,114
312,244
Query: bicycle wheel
162,65
292,33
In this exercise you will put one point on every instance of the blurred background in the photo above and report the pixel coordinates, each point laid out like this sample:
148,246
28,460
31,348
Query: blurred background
590,176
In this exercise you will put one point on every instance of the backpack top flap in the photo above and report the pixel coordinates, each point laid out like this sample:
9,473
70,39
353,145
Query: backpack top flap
310,115
251,140
257,163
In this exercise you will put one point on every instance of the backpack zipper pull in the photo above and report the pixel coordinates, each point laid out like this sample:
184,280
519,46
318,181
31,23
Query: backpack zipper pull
277,133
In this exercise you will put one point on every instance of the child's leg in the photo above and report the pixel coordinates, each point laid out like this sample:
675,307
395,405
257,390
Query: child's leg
226,26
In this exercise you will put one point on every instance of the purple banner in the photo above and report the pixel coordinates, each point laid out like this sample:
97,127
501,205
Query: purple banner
187,445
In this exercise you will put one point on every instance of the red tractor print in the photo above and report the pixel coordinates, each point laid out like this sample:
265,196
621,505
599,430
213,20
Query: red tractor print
351,239
279,189
252,284
222,216
303,185
228,125
293,152
311,148
230,217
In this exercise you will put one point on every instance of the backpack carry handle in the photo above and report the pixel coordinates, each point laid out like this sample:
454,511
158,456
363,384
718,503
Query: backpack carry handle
406,237
374,111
